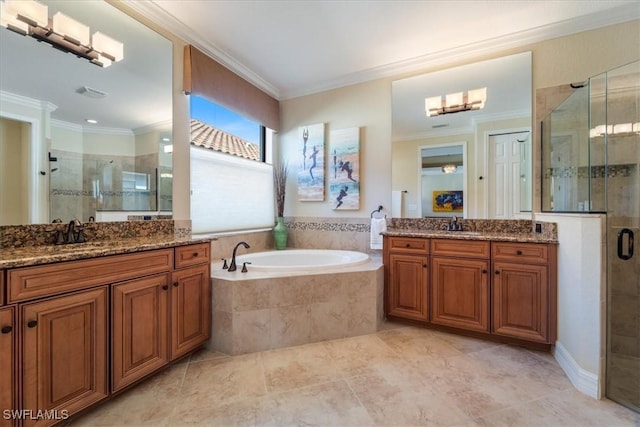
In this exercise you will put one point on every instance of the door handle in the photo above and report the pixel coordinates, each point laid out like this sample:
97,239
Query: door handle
629,253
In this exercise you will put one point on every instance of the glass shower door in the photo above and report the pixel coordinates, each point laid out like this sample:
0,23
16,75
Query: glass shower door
619,92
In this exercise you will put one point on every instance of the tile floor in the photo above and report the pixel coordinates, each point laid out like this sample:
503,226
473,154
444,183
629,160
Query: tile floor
401,376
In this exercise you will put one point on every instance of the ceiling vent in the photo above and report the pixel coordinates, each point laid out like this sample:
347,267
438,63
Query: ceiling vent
444,125
91,92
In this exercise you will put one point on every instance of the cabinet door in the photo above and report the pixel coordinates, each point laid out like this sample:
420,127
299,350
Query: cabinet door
140,310
64,349
407,291
521,301
190,309
7,363
460,293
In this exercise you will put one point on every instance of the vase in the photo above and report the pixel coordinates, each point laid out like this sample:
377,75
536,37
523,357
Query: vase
280,233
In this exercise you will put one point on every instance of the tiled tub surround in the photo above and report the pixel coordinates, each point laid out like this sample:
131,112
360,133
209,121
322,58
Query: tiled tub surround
258,311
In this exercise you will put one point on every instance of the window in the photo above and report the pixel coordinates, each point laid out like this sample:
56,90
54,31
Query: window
231,185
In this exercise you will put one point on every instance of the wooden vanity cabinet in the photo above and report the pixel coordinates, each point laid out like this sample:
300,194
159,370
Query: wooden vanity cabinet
407,278
64,354
150,306
140,329
460,284
190,301
524,291
8,335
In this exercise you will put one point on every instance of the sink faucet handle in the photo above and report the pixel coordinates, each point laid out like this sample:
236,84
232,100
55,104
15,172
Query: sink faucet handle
225,266
244,267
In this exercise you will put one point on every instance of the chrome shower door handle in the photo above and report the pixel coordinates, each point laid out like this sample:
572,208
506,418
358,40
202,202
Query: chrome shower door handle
629,253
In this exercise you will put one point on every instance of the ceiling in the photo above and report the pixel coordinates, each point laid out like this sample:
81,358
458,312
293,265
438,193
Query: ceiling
291,48
287,48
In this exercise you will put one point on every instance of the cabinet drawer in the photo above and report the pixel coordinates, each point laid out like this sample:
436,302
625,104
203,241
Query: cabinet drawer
191,255
45,280
520,252
460,248
409,244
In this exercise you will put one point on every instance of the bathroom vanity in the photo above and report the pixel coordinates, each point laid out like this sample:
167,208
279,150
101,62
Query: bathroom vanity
494,285
80,323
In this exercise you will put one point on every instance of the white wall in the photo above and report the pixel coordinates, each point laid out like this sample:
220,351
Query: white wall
367,106
581,298
559,61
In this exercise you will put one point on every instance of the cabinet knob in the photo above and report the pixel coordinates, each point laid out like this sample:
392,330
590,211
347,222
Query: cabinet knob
484,271
32,324
194,255
424,265
6,329
408,245
175,284
497,272
519,252
165,287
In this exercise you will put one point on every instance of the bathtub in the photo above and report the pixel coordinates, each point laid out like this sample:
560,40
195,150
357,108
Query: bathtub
293,297
302,259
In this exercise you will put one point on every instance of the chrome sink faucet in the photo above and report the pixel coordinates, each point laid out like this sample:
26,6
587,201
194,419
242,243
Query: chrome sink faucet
233,266
454,225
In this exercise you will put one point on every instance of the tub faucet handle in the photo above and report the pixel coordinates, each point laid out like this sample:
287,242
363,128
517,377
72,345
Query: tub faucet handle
224,264
244,267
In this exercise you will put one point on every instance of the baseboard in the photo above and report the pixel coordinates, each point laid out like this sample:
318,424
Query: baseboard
585,381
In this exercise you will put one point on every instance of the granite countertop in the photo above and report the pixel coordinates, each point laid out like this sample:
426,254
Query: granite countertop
35,255
470,235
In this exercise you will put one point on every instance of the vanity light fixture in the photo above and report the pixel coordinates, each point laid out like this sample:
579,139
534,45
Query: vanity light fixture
449,168
30,18
617,129
168,148
456,102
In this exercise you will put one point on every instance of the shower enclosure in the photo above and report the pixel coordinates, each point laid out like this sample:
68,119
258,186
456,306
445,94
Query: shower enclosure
591,163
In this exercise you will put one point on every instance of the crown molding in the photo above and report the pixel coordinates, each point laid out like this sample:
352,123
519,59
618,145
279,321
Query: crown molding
435,133
25,101
153,11
90,129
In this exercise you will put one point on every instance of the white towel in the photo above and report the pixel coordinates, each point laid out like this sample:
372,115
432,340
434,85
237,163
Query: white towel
396,204
378,225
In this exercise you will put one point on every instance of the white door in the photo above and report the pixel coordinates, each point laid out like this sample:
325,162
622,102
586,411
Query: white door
505,175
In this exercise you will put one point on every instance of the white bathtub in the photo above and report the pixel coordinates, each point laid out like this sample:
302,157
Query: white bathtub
301,259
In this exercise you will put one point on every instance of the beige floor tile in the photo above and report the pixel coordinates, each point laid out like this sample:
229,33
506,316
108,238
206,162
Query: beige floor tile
247,412
465,344
327,404
217,381
206,354
417,344
362,355
295,367
149,403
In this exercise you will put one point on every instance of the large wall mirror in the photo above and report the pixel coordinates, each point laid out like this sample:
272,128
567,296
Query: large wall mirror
461,159
55,164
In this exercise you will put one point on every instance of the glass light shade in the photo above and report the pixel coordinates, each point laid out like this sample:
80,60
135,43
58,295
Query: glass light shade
477,96
454,99
449,168
102,61
72,30
623,128
636,127
8,19
432,103
107,46
168,148
30,11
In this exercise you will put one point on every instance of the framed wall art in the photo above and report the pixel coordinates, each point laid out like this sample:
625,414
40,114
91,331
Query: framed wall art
344,169
310,169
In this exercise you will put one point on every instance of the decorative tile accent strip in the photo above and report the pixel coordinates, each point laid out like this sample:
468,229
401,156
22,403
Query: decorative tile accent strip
610,171
13,236
328,226
147,217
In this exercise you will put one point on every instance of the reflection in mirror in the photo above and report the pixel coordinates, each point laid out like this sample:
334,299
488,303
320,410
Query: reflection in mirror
442,180
491,174
63,164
